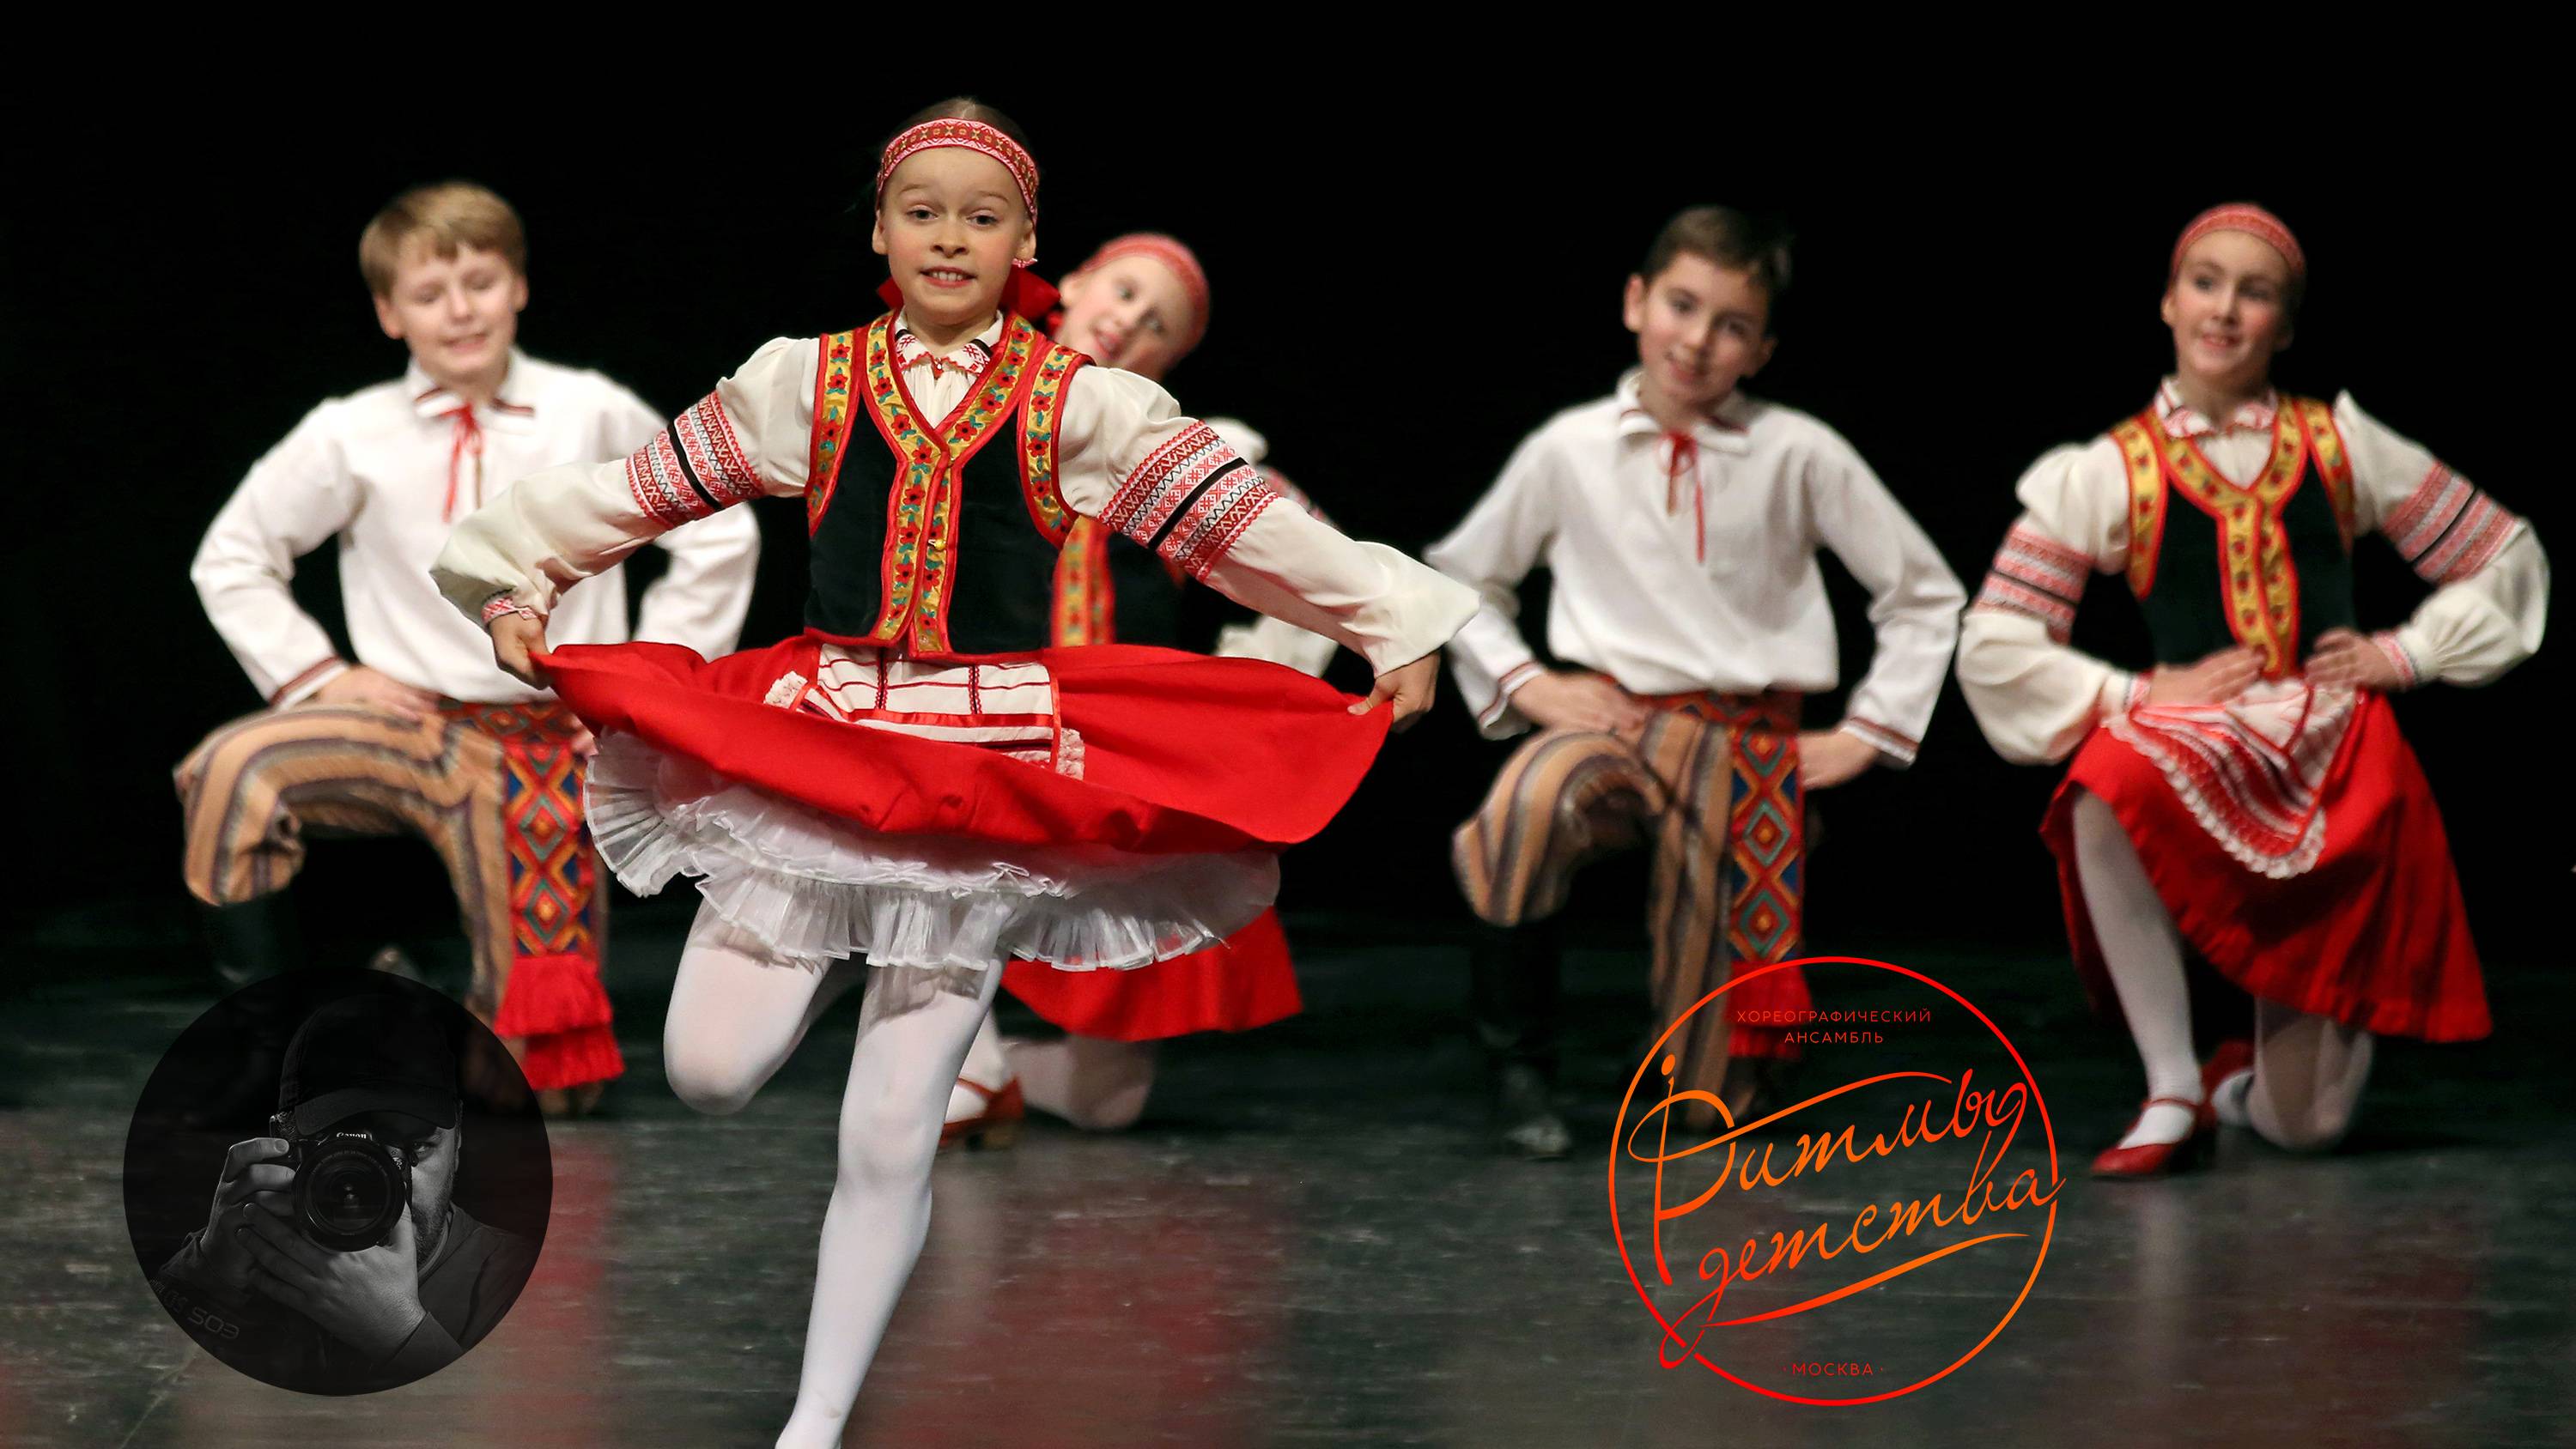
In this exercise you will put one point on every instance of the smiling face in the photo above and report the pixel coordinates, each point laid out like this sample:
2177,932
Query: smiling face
459,314
951,225
2229,308
1701,329
1130,311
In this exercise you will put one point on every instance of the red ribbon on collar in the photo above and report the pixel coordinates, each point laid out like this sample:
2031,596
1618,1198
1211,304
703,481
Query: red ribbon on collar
468,440
1682,457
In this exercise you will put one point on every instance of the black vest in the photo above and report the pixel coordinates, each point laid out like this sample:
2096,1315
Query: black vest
936,536
2267,565
1149,601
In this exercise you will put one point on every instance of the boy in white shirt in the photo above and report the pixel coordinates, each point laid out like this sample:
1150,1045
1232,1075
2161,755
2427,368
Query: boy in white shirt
422,734
1681,520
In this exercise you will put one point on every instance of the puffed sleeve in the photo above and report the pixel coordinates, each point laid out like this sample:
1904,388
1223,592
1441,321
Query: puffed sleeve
1491,551
555,528
291,500
1914,599
701,599
1275,640
2033,694
1127,456
2490,599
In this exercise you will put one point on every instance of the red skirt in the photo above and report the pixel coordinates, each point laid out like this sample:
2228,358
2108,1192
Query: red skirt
1101,806
2374,934
1181,753
1242,982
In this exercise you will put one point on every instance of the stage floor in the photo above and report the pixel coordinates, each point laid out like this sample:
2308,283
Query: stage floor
1307,1242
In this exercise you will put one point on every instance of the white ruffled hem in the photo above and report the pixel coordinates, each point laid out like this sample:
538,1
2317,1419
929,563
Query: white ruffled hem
812,887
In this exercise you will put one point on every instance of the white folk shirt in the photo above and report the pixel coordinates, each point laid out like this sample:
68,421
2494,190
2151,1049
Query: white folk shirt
753,435
2037,698
1677,573
376,469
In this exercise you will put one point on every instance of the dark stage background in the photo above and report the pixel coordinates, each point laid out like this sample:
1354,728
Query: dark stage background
1402,292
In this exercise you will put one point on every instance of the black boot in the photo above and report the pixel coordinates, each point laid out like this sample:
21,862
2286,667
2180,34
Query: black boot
250,942
254,940
1512,997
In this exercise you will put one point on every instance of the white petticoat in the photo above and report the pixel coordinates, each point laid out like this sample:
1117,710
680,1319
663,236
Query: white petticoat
811,886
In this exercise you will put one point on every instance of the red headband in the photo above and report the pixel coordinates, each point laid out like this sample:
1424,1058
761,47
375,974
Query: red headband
2250,219
974,136
1183,263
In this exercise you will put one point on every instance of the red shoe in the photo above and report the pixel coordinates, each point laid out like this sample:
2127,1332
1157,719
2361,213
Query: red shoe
2161,1159
2230,1058
998,1125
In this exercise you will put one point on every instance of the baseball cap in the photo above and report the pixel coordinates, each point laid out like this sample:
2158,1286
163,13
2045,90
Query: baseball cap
367,1053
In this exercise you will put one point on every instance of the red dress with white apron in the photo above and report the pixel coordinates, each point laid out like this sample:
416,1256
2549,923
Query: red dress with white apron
915,778
2289,831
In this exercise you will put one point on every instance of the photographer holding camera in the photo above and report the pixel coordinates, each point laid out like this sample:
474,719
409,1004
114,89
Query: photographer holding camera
334,1259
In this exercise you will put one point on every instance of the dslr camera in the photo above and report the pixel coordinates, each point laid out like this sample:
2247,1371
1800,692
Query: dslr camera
350,1188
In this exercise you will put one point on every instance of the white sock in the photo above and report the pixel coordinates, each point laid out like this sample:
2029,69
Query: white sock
2163,1122
986,1065
2143,952
2229,1100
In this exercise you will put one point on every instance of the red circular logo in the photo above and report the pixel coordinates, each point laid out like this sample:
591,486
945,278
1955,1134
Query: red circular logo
1905,1109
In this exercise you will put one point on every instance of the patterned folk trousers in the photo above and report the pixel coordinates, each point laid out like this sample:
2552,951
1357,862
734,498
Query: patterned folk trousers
1712,785
494,789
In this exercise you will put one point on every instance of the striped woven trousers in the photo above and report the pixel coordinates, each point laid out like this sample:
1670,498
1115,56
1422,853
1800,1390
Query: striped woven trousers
494,789
1712,785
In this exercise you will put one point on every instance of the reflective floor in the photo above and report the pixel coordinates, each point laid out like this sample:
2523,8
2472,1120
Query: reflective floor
1306,1242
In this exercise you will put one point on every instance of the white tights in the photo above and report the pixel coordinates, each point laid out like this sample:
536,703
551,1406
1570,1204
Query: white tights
736,1014
2308,1070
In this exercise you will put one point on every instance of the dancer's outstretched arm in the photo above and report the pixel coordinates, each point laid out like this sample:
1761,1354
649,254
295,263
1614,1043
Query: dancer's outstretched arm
1128,456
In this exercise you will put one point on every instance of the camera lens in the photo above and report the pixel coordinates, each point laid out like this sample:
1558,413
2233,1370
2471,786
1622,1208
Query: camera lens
350,1192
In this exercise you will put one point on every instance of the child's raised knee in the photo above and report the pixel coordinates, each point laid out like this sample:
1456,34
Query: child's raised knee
708,1085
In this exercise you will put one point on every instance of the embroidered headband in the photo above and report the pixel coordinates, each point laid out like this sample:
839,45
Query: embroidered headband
1183,263
2252,220
974,136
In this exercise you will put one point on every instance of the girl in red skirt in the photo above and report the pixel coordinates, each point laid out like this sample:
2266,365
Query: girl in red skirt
1140,303
2250,793
917,779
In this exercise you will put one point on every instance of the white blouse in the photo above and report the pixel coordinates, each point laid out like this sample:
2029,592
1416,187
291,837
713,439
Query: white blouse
1682,569
1263,637
1125,453
2037,698
388,472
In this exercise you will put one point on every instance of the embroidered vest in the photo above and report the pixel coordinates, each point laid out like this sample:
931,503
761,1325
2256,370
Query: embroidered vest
928,538
2267,564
